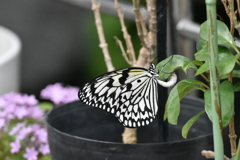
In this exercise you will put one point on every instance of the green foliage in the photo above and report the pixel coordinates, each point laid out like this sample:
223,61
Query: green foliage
227,100
227,64
177,93
224,36
172,63
45,106
189,124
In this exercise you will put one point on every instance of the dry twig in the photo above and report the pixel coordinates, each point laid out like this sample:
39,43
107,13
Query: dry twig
126,35
229,8
140,24
123,51
210,155
103,44
151,8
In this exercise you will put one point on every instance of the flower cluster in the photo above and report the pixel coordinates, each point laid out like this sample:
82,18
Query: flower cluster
31,137
59,94
22,121
18,106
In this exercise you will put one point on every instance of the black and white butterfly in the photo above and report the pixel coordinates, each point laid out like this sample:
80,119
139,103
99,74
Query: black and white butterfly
131,94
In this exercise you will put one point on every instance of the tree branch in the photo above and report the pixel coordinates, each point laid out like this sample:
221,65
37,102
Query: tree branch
103,45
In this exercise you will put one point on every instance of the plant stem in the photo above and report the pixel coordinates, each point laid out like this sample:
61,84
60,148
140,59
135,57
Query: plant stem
232,136
238,151
214,79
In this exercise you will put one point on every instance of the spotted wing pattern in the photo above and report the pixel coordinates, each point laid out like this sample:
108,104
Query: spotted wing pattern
130,94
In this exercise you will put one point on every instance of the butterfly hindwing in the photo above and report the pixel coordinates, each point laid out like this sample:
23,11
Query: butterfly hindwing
130,94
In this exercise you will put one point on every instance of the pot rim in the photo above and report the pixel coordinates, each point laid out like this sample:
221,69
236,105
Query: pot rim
49,126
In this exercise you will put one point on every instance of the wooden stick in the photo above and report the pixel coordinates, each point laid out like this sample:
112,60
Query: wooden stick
211,155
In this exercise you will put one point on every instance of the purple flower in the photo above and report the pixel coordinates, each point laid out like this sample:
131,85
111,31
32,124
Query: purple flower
44,149
15,146
30,134
10,108
24,132
15,105
31,154
41,135
2,123
29,100
35,112
16,128
59,94
21,112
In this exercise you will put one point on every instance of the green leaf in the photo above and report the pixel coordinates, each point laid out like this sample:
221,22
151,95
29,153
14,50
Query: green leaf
224,36
189,124
45,157
224,61
202,55
203,68
227,100
236,87
235,74
173,63
226,64
45,106
223,49
17,157
197,63
177,93
201,43
233,158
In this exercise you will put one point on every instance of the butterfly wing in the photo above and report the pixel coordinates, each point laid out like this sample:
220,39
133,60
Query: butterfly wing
130,94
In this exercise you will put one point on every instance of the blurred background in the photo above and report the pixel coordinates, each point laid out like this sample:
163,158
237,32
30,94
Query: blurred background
58,40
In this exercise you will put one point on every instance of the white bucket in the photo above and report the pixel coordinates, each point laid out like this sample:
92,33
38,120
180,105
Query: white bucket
10,47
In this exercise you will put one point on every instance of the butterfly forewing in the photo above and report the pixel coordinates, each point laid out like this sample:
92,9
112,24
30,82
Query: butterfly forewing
130,94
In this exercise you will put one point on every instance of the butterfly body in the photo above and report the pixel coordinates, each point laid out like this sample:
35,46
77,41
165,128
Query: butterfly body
130,94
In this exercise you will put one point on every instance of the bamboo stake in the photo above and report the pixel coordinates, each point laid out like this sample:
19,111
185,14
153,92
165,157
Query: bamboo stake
214,77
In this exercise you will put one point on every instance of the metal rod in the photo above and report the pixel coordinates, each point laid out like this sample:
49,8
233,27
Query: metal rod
190,29
161,55
108,7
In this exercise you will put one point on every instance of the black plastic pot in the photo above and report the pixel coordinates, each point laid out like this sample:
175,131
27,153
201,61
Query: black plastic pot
80,132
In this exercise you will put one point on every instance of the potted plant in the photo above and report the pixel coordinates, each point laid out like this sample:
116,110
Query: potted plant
77,131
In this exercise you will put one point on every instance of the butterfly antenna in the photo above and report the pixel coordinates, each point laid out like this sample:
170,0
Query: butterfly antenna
155,57
165,65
